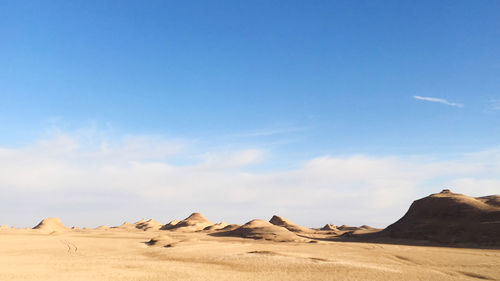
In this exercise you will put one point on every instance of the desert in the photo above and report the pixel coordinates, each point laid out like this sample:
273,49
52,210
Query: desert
283,140
196,248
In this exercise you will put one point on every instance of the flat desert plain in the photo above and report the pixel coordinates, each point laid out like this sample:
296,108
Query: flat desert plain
120,254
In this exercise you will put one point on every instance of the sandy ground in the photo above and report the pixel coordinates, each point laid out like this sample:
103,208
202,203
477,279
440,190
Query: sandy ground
124,255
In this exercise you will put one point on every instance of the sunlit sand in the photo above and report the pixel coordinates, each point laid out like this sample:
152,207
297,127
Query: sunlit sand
196,248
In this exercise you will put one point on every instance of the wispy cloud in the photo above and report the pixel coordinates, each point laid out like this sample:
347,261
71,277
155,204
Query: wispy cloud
438,100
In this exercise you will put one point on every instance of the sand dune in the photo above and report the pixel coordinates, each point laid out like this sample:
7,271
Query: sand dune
197,249
367,227
103,227
125,226
367,230
347,228
169,225
358,229
288,224
261,229
444,217
4,227
353,231
51,224
448,217
215,227
329,227
147,225
194,222
230,227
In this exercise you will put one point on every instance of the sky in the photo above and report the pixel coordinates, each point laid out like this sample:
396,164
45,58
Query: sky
337,112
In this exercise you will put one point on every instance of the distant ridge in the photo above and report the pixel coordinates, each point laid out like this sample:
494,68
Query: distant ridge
288,224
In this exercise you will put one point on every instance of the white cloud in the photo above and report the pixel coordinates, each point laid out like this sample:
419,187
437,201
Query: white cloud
100,181
477,187
233,159
438,100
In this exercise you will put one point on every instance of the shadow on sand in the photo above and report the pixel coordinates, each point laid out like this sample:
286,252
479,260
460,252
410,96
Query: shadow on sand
381,238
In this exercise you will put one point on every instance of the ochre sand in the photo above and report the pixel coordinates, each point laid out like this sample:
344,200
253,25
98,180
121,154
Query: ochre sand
119,254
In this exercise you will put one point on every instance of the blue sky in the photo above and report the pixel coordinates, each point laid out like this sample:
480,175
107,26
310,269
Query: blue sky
276,83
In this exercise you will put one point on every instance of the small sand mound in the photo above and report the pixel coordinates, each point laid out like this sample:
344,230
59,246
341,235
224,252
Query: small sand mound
125,226
329,227
162,241
194,222
230,227
102,227
51,225
348,228
363,231
169,225
148,225
288,224
261,229
194,219
215,227
367,227
4,227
